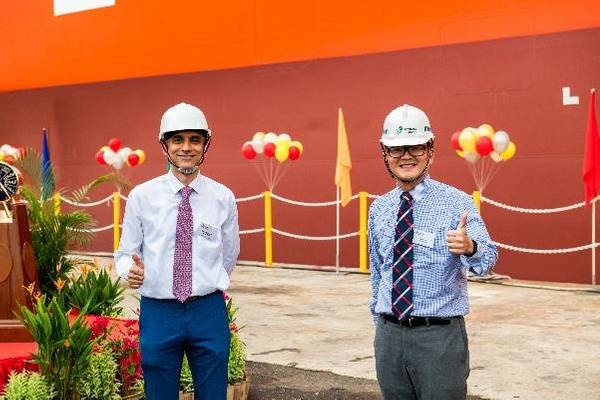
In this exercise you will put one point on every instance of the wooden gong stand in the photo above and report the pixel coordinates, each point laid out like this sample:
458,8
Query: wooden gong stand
17,270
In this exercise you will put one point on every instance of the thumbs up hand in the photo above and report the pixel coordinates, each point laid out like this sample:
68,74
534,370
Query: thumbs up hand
458,240
135,278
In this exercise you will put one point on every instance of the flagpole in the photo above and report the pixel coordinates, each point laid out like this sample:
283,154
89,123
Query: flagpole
337,230
594,241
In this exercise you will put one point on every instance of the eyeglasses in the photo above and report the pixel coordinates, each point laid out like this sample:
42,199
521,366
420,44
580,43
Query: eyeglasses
399,151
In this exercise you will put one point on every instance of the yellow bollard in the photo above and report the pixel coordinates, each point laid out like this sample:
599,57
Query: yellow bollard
477,199
362,232
56,199
116,219
268,232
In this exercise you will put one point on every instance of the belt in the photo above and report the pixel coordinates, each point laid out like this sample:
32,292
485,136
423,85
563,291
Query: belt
190,299
412,322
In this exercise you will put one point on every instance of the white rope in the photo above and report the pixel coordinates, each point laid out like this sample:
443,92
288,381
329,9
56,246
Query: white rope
372,196
546,251
249,231
121,195
302,203
292,235
256,197
104,228
532,210
74,203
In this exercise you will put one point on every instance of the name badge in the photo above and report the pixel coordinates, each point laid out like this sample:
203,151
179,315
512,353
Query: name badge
423,238
208,232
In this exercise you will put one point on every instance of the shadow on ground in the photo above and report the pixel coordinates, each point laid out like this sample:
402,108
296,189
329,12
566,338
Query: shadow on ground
277,382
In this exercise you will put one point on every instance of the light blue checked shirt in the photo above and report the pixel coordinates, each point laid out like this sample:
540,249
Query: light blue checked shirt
439,277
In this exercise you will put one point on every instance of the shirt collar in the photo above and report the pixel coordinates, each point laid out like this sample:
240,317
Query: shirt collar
419,190
175,184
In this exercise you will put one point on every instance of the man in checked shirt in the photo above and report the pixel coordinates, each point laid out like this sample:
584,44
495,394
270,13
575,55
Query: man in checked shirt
424,236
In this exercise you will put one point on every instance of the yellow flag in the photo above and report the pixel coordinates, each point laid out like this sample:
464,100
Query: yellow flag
343,164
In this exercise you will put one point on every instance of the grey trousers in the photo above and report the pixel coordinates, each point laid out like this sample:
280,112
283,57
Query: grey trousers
422,363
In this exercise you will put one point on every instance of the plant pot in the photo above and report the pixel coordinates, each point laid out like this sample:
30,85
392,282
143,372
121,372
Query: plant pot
239,390
186,395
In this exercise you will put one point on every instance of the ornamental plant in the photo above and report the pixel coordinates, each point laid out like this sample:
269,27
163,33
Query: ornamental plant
54,231
27,385
236,367
96,288
64,349
123,342
99,381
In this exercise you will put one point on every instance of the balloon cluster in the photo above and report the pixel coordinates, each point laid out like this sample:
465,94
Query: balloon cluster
117,156
475,143
281,146
9,154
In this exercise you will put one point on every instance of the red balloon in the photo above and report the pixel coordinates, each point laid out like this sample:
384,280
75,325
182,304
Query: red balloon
294,153
114,144
484,146
454,141
269,150
133,159
248,151
100,157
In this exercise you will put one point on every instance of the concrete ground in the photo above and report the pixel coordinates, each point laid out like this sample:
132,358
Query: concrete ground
525,343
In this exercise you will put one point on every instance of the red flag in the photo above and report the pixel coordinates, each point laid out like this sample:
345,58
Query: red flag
591,158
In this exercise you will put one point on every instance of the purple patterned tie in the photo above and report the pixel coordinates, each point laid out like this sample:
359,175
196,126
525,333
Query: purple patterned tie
182,263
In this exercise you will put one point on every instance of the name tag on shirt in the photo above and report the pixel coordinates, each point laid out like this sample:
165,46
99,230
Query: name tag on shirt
423,238
208,232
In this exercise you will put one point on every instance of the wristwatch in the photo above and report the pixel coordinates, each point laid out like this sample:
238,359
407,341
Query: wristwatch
474,249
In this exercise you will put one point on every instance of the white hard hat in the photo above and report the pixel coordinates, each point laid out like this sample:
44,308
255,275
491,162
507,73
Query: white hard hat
406,126
182,117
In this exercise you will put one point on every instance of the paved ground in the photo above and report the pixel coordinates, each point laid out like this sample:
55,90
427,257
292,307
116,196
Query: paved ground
525,343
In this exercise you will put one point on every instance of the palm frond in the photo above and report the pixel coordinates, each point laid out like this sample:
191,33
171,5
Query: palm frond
81,194
30,166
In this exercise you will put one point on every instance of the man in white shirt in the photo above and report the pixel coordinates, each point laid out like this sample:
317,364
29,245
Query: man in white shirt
179,245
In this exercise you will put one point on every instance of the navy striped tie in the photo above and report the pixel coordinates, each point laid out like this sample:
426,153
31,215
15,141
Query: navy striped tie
402,267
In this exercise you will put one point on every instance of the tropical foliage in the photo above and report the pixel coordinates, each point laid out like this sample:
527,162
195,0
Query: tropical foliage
53,232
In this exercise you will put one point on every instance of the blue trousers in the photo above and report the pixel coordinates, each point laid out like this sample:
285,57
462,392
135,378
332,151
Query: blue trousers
198,328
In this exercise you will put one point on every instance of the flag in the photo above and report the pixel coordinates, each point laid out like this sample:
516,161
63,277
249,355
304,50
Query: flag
591,158
343,164
47,184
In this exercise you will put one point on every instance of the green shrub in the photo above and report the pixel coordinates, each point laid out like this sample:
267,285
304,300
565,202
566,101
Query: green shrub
64,349
97,289
186,382
27,385
99,380
236,368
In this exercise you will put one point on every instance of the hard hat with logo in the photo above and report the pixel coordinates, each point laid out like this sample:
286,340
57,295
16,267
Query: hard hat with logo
183,117
406,126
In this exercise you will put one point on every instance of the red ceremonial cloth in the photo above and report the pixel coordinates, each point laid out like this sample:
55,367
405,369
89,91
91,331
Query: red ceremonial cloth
15,357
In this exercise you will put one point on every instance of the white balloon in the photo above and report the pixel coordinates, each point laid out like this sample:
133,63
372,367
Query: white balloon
283,138
118,163
501,141
472,157
123,153
258,145
109,156
270,137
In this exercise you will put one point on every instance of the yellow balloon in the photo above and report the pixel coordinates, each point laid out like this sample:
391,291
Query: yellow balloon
258,136
104,148
142,155
460,153
283,138
282,152
298,145
509,152
466,139
486,130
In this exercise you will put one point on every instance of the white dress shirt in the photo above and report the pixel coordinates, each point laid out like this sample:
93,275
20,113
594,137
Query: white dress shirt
149,230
